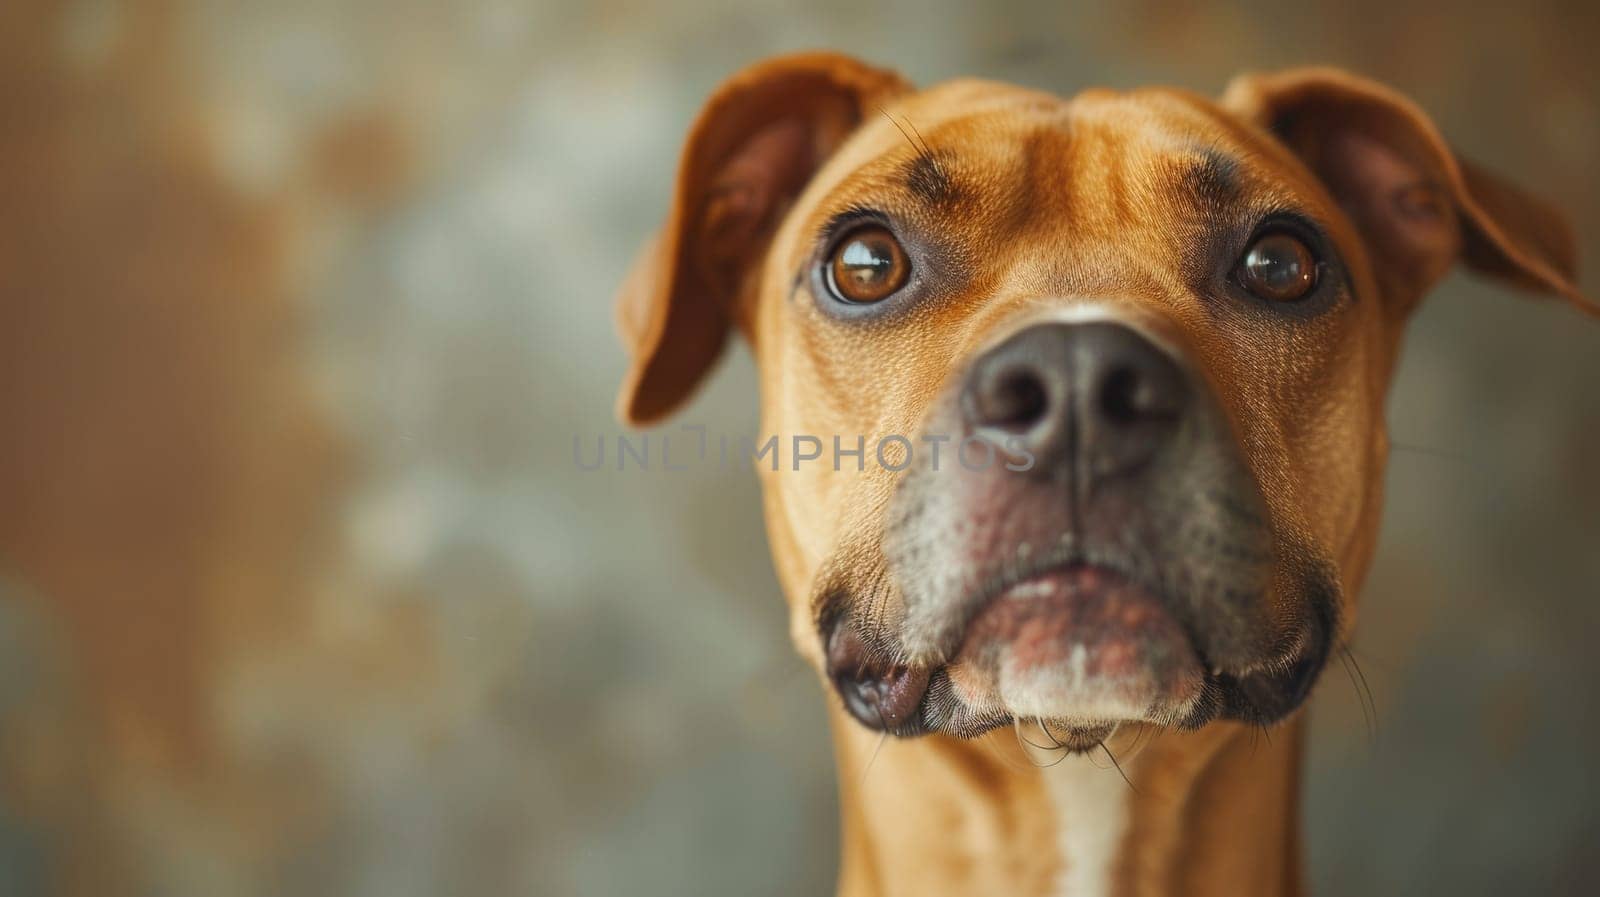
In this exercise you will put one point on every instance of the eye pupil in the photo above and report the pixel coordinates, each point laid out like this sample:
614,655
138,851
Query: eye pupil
1279,267
866,262
868,265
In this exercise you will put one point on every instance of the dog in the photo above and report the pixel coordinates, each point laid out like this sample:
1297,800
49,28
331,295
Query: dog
1167,325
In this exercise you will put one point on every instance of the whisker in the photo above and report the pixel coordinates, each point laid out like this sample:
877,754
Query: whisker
1369,704
1017,727
1147,737
927,150
903,132
1048,733
918,143
873,759
1366,718
1113,758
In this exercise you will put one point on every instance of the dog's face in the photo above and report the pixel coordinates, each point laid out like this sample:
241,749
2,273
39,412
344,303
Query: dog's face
1114,365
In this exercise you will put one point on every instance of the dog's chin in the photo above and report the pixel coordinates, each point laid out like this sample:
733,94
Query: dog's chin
1079,650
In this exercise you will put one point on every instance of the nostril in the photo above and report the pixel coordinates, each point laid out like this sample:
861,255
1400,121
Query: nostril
1129,396
1120,397
1016,401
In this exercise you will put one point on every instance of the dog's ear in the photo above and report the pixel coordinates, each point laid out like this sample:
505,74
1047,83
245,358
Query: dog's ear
749,153
1419,206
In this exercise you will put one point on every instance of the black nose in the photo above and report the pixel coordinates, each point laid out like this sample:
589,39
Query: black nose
1096,394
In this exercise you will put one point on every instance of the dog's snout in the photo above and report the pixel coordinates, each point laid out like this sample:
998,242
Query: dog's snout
1098,394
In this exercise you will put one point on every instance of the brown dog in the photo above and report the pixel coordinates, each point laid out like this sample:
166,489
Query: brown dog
1165,327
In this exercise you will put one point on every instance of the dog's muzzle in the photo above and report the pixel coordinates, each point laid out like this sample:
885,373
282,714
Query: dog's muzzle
1122,567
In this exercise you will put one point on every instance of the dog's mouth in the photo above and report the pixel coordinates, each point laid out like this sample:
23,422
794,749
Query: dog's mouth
1080,649
1080,646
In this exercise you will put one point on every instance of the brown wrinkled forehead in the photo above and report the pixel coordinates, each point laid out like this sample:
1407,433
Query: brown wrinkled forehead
1010,162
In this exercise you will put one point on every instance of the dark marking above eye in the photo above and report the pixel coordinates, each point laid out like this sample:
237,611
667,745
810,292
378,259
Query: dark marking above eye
1212,178
928,179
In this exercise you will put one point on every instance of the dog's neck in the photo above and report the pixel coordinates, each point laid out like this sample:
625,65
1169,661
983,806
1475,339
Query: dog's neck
1213,812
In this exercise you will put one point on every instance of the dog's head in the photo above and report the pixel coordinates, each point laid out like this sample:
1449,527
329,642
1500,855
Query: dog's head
1097,384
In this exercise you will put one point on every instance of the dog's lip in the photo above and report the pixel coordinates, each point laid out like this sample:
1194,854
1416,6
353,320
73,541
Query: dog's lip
1054,589
880,693
1078,643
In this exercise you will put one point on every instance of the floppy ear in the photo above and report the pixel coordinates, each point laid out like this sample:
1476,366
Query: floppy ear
750,152
1418,205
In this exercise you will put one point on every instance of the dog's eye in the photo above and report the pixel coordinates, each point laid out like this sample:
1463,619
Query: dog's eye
1278,267
867,265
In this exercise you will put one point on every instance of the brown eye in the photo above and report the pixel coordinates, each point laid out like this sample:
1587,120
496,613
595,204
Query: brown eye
1278,267
868,265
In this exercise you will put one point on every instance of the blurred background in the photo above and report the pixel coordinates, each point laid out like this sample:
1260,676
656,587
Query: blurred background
301,304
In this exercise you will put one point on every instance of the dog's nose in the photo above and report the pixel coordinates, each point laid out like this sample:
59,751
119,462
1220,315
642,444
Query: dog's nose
1097,394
